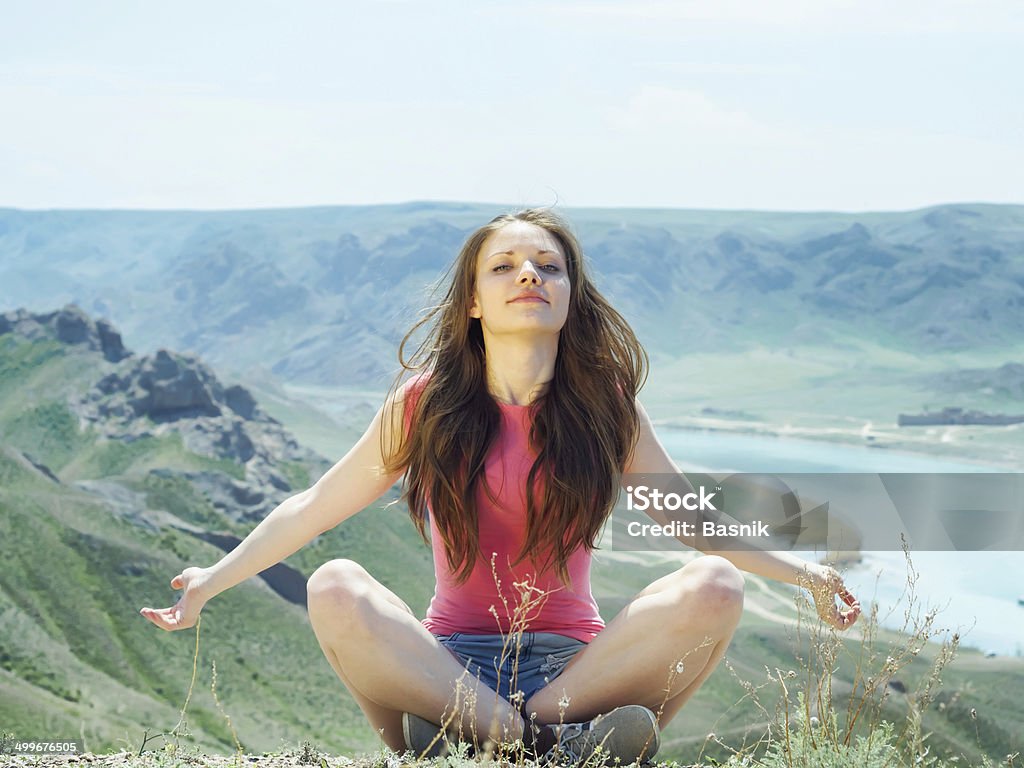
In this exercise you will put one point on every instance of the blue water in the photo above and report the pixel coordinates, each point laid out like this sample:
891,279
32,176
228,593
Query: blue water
725,452
977,591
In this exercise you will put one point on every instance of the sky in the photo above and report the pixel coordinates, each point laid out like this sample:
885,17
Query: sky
762,104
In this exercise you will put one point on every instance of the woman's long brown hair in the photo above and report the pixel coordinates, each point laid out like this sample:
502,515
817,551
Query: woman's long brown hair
584,425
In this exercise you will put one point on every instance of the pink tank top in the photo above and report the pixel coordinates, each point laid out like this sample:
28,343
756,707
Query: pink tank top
568,610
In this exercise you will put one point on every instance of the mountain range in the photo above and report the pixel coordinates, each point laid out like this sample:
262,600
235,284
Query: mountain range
323,295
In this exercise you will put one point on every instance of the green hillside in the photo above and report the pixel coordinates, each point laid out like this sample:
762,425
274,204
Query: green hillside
76,655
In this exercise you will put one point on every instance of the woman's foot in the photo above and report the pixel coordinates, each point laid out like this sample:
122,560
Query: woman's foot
625,735
427,739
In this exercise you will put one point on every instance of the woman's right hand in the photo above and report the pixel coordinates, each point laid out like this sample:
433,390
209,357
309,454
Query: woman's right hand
185,612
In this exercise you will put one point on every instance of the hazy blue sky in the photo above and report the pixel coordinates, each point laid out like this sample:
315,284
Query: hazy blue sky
768,104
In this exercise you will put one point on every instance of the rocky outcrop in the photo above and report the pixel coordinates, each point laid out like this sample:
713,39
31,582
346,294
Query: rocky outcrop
176,394
69,325
172,393
168,387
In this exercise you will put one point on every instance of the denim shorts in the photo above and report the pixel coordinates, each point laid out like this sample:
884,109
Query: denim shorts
542,657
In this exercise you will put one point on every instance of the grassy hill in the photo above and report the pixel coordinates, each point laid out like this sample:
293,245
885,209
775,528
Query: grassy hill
76,655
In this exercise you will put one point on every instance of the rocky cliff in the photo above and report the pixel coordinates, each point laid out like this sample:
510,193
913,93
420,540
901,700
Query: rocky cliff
166,393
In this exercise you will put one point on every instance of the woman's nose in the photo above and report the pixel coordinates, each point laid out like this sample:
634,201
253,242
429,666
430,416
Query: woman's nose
528,274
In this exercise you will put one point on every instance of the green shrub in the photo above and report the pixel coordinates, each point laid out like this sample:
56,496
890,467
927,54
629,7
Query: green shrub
805,744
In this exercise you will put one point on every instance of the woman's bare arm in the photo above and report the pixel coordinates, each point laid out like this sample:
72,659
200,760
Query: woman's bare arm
355,482
825,583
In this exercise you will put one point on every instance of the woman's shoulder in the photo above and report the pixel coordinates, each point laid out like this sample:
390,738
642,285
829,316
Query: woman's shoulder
407,395
410,390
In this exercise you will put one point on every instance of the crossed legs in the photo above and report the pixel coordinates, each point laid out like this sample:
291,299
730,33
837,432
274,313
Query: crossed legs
657,651
392,664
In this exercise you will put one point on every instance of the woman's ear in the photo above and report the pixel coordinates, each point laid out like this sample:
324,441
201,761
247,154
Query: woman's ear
474,308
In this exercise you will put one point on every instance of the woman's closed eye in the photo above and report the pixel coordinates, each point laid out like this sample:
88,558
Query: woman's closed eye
552,268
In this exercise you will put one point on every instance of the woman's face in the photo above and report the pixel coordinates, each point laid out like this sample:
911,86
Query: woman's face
522,285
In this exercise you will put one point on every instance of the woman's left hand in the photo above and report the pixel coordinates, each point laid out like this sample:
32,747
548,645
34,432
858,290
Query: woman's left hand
825,585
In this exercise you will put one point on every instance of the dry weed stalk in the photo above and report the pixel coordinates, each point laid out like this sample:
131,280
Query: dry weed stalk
459,720
220,708
188,697
182,723
876,664
530,600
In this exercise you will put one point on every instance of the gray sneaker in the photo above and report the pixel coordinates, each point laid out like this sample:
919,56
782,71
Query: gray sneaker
426,739
624,735
422,737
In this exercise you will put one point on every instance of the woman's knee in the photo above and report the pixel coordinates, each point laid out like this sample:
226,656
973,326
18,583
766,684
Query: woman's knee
714,586
336,589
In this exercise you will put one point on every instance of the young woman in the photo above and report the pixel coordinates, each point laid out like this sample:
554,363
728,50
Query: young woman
512,441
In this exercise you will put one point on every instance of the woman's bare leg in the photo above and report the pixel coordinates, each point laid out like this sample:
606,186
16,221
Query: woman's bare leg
391,664
689,615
